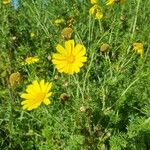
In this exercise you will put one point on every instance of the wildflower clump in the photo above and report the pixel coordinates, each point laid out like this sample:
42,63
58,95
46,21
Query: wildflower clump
69,59
36,93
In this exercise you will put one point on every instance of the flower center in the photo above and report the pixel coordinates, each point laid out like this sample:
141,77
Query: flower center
40,96
71,59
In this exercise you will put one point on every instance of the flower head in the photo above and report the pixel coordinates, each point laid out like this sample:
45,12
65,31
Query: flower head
15,78
93,1
67,33
112,2
32,34
5,2
36,93
59,21
31,60
69,59
138,47
96,11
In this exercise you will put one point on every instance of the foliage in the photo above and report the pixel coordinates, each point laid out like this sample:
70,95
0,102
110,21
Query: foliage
106,105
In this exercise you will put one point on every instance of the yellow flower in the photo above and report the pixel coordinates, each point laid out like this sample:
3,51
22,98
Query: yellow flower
69,59
112,2
96,11
5,2
32,34
31,60
36,93
138,47
93,1
59,21
14,78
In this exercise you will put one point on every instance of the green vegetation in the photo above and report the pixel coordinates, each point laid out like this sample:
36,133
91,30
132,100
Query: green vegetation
106,106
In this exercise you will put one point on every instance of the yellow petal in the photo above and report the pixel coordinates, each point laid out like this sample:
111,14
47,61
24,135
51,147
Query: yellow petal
69,46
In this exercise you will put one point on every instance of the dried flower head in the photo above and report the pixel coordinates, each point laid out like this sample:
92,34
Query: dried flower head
64,97
14,79
82,109
104,47
70,21
67,33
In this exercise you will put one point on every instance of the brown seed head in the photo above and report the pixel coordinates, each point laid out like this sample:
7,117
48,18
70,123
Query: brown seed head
67,33
82,109
64,97
14,79
104,48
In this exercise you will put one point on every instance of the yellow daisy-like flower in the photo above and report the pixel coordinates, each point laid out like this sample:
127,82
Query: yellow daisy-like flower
31,60
5,2
36,93
96,11
112,2
69,59
138,47
93,1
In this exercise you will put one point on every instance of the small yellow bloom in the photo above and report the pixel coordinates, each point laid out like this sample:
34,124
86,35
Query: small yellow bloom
5,2
96,11
112,2
69,59
31,60
14,78
36,93
93,1
32,34
139,49
59,21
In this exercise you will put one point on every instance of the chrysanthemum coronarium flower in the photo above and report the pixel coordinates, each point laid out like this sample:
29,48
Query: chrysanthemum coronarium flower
36,94
5,2
139,49
31,60
69,59
96,11
112,2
